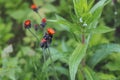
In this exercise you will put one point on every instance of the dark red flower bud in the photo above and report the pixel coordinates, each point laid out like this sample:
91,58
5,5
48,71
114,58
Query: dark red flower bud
44,20
34,7
50,31
36,26
27,24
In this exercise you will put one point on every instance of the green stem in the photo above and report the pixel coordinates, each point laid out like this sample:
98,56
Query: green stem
34,36
52,64
39,15
115,15
44,57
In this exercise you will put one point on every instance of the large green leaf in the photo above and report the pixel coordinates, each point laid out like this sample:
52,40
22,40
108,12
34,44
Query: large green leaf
76,58
100,29
102,52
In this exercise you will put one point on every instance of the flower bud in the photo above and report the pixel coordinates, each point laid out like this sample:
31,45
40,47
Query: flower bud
27,24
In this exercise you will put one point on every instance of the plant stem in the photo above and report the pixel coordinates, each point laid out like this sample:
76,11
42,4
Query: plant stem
83,38
44,57
34,36
52,63
39,14
84,59
115,13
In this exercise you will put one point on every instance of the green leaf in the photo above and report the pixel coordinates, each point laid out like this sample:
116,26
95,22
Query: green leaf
96,6
102,52
90,3
64,46
76,58
104,76
80,7
55,56
97,39
113,64
100,29
50,8
89,74
71,27
94,18
96,11
65,23
19,14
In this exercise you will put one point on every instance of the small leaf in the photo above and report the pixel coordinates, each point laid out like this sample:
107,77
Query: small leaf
80,7
67,25
63,44
90,3
102,52
96,6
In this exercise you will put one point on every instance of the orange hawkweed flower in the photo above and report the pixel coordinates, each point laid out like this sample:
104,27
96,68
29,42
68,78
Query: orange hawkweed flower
34,7
50,31
27,24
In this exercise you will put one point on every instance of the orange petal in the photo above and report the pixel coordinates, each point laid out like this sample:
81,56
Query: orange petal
50,31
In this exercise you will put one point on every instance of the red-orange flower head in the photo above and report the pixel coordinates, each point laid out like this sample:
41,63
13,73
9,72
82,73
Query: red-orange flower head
34,7
44,20
27,24
50,31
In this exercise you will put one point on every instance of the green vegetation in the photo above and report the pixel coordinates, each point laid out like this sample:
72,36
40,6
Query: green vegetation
85,46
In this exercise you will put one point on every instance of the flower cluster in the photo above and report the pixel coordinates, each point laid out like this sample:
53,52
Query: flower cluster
47,38
48,35
27,24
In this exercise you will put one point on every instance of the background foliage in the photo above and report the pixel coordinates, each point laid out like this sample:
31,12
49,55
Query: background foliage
21,60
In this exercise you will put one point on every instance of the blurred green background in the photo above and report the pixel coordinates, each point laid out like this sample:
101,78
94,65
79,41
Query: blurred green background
21,60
